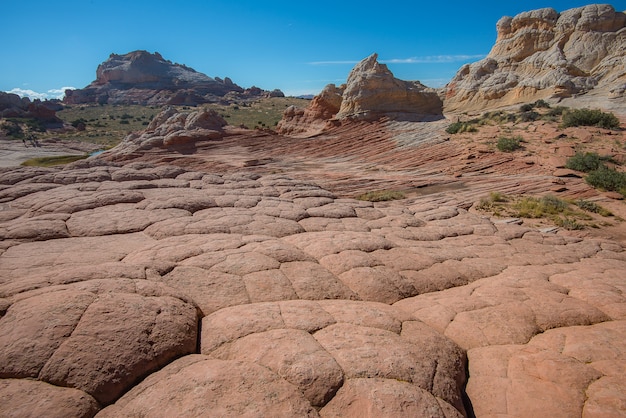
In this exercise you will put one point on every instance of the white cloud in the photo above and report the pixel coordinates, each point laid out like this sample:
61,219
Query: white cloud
433,59
50,94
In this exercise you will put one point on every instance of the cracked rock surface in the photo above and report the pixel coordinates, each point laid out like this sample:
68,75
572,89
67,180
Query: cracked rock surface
142,290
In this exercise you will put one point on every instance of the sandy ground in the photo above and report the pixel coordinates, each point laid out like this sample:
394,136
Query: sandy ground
14,152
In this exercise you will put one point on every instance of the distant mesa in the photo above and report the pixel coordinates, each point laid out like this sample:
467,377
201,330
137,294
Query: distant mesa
371,92
542,54
140,77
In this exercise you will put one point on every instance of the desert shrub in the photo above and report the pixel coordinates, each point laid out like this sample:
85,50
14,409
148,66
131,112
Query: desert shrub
607,179
509,144
460,127
542,104
569,223
529,116
124,122
499,117
381,195
36,125
588,117
592,207
497,197
586,162
526,107
12,129
532,207
556,111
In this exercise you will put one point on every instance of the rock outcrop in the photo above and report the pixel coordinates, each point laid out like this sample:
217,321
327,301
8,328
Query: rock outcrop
543,54
371,92
173,131
148,79
14,106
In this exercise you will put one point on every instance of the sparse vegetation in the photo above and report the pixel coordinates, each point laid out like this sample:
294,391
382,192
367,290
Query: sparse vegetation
460,127
509,144
589,117
592,207
549,208
382,196
584,162
609,179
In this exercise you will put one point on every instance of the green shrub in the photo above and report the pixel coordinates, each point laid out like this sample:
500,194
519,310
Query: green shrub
526,107
381,196
13,129
556,111
541,104
532,207
586,162
588,117
568,223
607,179
592,207
460,127
529,116
506,144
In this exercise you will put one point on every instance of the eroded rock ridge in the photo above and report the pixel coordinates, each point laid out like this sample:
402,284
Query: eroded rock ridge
371,92
543,54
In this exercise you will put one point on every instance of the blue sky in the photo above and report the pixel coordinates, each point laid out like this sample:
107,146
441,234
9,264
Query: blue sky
298,46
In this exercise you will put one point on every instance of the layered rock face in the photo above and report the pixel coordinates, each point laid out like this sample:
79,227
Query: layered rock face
371,92
143,78
547,55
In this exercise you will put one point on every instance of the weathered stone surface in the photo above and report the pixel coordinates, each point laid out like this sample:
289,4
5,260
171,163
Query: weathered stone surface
316,300
197,385
560,373
30,398
385,398
372,90
543,54
295,356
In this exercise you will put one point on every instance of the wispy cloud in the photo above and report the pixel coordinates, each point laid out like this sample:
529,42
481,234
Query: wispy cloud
50,94
432,59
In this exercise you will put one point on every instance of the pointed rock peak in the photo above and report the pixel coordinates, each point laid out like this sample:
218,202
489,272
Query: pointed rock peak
369,65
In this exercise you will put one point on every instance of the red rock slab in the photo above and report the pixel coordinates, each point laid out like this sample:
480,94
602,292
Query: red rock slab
210,290
56,255
117,219
197,385
120,338
365,352
312,281
574,371
385,398
320,244
33,330
292,354
31,398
